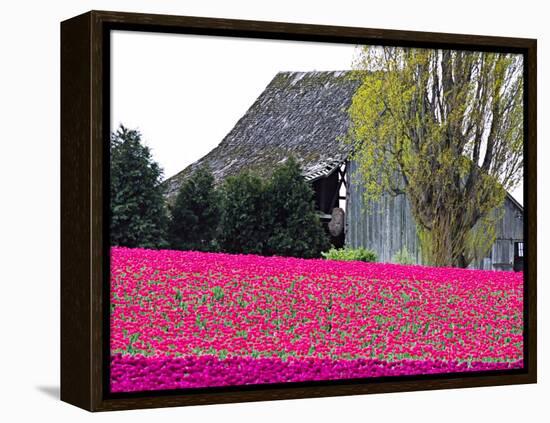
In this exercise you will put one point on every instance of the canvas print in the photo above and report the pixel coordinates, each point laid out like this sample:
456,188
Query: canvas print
286,211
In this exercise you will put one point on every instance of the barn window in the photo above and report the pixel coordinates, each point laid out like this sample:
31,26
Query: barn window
518,256
518,249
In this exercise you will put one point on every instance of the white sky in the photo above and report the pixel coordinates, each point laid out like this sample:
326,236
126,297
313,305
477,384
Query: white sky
185,93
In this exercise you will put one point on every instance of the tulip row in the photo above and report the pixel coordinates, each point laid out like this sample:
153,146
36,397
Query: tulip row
138,373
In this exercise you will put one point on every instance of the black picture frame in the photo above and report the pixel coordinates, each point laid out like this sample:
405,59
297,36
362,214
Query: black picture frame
85,91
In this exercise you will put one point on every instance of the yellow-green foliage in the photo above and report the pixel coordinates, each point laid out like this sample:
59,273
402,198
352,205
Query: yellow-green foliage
403,256
446,128
350,254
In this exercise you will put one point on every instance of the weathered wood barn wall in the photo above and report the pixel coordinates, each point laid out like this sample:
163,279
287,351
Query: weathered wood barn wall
509,231
387,225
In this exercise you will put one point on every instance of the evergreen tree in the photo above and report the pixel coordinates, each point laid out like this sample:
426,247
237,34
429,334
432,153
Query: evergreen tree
138,214
195,214
244,215
295,227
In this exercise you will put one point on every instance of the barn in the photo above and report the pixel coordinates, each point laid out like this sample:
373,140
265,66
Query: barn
304,115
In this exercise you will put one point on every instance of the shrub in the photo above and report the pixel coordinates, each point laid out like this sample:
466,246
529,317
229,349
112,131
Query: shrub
195,214
295,229
351,254
245,220
403,257
273,217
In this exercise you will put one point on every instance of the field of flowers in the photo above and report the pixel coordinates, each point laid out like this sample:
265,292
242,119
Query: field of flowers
190,319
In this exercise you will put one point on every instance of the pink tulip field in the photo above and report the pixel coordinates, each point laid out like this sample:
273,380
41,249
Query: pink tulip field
182,319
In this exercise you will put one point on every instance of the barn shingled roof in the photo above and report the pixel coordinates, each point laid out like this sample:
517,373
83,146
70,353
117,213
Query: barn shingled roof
302,114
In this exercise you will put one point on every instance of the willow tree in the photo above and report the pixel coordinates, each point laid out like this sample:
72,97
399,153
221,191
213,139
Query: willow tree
444,127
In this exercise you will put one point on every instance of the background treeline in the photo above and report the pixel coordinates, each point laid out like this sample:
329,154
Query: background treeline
244,214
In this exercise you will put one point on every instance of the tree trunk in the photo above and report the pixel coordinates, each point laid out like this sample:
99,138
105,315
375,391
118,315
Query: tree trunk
444,245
